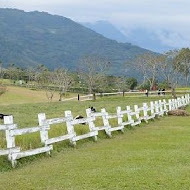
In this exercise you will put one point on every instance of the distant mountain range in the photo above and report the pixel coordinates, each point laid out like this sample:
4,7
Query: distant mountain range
139,36
107,30
28,39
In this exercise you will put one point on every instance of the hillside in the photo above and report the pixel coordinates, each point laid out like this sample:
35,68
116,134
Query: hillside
32,38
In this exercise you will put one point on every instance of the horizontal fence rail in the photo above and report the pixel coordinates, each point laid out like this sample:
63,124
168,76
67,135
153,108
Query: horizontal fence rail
135,93
129,116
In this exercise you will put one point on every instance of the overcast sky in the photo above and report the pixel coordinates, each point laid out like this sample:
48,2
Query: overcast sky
159,16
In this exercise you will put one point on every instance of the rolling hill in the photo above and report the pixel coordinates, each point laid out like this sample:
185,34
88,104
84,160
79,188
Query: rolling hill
28,39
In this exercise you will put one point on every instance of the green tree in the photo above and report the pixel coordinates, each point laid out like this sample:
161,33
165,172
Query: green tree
92,71
131,83
44,79
63,80
148,65
183,60
171,70
15,73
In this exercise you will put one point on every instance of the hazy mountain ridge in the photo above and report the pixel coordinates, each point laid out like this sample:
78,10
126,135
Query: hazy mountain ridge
107,30
32,38
142,37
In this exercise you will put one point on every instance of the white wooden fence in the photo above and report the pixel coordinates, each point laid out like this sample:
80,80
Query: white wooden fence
129,116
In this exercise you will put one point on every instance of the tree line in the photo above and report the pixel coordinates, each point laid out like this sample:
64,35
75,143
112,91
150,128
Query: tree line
158,70
90,77
171,68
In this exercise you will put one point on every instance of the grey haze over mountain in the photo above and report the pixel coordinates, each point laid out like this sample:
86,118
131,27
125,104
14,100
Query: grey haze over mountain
107,30
143,37
165,23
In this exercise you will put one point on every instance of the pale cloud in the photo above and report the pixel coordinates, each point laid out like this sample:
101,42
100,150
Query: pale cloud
172,39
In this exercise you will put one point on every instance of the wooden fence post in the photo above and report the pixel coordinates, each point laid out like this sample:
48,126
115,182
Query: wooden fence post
152,108
176,103
128,108
170,104
70,127
156,108
91,123
44,131
45,127
120,116
8,120
137,114
161,107
165,107
183,100
106,121
145,112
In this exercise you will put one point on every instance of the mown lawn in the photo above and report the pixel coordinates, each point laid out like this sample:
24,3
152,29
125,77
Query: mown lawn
155,156
151,156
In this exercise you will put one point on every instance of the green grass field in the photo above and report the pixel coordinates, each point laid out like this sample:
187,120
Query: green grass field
21,95
150,156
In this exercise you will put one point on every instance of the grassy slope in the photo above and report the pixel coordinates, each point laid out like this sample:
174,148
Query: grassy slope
18,95
153,156
57,42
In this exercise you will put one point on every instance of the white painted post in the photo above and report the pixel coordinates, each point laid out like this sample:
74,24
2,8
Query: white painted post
137,113
170,104
106,121
181,104
44,131
120,116
8,120
176,104
165,107
161,108
91,123
145,112
152,107
129,114
183,100
173,104
70,127
188,98
156,108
